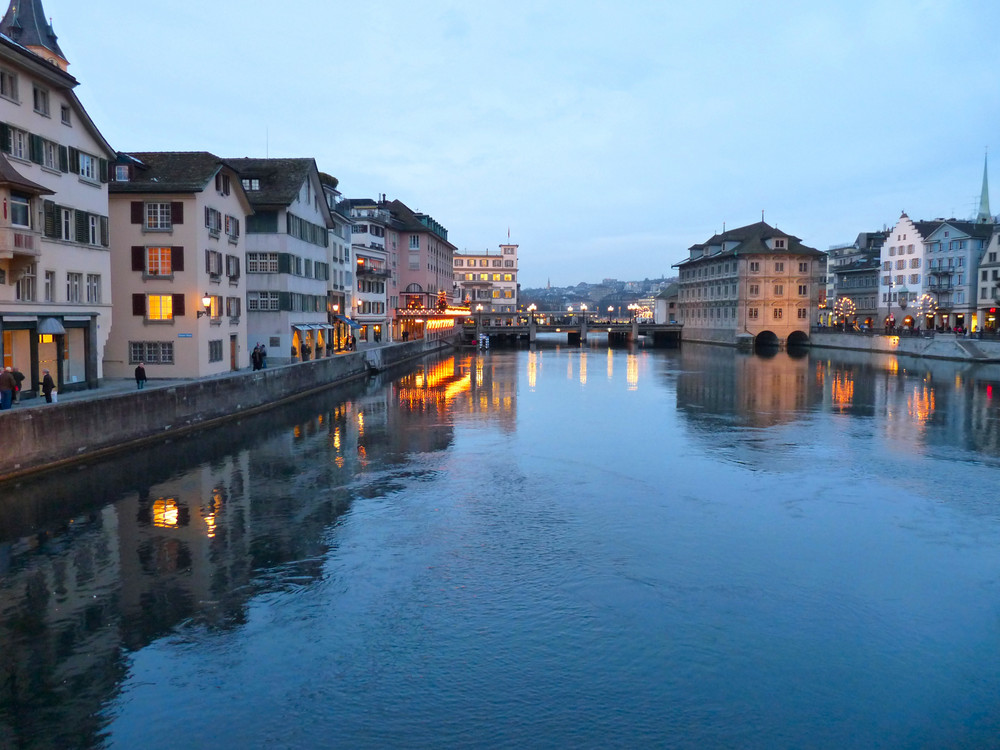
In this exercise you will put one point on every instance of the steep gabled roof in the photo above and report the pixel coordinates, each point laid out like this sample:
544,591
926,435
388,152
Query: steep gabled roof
169,172
25,23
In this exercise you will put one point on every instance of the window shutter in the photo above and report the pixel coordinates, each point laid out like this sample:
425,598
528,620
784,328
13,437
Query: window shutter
236,263
105,232
285,301
35,148
51,211
4,137
138,258
284,263
218,182
138,210
178,305
82,226
208,217
63,159
139,305
177,213
208,261
103,167
74,160
177,258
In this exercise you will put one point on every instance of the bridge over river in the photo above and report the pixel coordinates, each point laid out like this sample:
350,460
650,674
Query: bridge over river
577,327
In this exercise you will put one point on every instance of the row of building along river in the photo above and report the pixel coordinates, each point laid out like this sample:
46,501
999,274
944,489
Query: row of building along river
555,547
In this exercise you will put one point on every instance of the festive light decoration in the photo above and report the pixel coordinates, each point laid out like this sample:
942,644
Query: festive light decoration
845,307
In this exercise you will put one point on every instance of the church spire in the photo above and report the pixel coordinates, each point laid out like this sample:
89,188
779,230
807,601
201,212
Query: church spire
984,216
25,23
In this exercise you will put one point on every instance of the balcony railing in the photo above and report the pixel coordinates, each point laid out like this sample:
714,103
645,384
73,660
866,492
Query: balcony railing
365,269
941,285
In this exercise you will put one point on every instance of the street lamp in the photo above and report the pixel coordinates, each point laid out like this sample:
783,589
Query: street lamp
531,311
611,309
206,302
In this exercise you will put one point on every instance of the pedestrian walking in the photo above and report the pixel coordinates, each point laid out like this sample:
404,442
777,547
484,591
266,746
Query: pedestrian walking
18,380
48,386
255,357
7,385
140,376
263,357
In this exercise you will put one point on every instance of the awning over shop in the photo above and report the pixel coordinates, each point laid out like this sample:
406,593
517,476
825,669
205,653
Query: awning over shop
51,327
347,320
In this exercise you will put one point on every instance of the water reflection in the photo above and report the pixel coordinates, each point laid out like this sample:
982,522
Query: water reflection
98,564
190,531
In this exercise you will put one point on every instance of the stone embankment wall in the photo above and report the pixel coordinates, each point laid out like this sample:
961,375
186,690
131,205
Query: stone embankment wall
36,439
941,346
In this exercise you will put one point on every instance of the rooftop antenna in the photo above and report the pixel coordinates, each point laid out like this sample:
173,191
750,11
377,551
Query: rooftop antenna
762,214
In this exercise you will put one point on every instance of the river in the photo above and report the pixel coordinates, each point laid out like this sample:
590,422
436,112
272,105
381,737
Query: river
561,547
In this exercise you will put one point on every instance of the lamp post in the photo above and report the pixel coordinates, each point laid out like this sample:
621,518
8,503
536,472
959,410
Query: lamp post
206,302
531,311
888,317
611,309
903,297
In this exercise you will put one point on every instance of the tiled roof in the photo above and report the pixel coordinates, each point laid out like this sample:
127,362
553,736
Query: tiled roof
750,239
168,172
280,179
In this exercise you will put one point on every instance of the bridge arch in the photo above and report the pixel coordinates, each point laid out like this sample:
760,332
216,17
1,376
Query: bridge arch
766,340
798,338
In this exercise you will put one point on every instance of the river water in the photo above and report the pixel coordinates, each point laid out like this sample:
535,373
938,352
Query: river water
562,547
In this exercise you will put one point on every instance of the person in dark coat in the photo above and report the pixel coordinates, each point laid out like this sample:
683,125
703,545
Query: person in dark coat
18,380
255,357
140,376
48,385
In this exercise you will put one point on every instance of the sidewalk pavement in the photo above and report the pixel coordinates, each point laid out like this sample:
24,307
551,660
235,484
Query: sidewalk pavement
114,386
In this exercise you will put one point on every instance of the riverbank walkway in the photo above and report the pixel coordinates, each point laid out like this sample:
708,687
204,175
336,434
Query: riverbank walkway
115,386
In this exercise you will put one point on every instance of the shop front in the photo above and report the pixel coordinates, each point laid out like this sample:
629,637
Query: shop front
66,346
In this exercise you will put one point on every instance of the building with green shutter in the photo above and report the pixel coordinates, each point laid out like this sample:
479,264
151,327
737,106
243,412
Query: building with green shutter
55,269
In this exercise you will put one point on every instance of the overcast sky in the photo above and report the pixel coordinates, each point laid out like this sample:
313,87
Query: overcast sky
607,136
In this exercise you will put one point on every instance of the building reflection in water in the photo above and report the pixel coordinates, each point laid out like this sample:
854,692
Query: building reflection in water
746,389
190,531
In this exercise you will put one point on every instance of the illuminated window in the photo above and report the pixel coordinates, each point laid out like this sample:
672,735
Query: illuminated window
160,307
158,261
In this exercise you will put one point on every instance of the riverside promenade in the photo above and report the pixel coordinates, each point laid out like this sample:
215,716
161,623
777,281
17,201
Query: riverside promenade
937,346
39,436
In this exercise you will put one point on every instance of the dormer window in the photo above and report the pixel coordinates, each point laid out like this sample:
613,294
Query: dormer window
121,173
251,183
779,244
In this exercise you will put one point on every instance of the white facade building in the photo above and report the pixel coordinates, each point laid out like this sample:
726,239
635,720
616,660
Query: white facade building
55,266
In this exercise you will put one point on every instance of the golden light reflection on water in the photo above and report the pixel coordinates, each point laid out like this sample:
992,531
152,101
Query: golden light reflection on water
611,364
842,390
583,368
532,369
632,372
165,512
921,403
